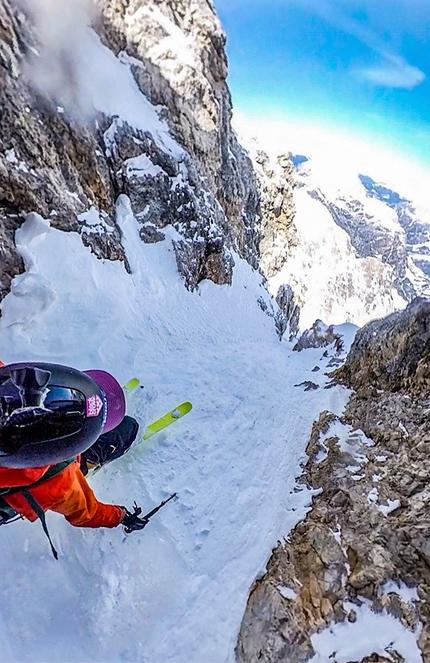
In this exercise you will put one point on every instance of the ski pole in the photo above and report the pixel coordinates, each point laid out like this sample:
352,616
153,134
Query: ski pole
133,521
157,508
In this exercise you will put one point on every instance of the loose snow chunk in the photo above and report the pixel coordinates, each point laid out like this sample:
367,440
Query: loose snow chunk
373,496
370,633
143,165
94,223
391,506
406,593
287,592
350,441
321,455
352,468
10,156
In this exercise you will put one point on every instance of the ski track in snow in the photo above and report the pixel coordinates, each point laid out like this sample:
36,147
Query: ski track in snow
177,591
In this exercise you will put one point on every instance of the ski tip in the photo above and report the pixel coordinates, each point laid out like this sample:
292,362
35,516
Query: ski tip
130,386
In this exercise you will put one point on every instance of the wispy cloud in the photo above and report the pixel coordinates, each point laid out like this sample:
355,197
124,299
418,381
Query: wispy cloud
395,73
392,70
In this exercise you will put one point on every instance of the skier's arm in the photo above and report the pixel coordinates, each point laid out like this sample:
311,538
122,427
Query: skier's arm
81,508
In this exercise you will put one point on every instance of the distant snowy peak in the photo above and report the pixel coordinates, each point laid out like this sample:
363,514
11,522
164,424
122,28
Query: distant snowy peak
380,191
354,248
414,220
381,222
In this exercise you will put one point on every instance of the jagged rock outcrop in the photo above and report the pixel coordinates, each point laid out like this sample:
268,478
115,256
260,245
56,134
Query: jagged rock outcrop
176,52
49,163
289,312
276,184
70,163
320,335
365,543
392,353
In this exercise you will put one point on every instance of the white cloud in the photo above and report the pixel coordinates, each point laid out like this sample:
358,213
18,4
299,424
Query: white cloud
401,75
393,71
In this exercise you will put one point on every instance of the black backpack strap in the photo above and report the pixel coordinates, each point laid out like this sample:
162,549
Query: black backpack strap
49,474
41,515
7,513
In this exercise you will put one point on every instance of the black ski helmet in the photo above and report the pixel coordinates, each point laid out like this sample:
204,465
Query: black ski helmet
50,413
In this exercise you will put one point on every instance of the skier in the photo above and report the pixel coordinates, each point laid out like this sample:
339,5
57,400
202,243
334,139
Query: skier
56,423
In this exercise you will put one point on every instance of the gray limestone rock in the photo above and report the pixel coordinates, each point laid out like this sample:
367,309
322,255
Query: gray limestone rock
150,235
62,166
319,336
366,539
190,84
392,353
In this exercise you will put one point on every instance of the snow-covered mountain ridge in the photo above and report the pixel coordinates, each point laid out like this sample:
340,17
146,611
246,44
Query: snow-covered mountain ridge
353,250
379,223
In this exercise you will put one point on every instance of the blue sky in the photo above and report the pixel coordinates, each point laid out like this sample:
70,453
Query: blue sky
362,66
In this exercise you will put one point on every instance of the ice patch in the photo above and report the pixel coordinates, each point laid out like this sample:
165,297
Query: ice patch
391,505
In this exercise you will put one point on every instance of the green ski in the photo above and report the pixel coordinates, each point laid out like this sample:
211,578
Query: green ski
130,386
167,419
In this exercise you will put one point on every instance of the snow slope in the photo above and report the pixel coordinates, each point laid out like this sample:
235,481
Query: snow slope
177,591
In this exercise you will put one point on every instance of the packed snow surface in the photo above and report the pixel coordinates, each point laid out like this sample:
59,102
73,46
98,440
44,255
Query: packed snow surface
177,591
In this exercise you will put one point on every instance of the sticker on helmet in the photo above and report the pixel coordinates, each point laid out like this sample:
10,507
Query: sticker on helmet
94,405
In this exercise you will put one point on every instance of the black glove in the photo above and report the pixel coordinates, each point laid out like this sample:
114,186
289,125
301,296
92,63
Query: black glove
131,521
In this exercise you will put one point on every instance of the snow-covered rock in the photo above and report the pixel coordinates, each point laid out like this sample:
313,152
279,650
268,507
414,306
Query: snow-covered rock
358,561
351,249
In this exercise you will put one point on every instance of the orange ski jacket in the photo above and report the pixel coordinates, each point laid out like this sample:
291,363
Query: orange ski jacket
67,493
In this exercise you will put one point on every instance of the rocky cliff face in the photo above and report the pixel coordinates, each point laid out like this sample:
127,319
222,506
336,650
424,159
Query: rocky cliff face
48,164
69,156
364,545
